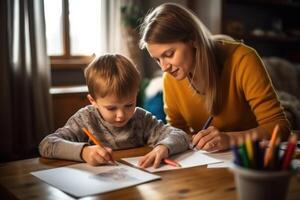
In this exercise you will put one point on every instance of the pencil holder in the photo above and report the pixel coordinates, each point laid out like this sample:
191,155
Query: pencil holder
261,185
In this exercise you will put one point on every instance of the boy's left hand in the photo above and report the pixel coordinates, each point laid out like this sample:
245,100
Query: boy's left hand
154,157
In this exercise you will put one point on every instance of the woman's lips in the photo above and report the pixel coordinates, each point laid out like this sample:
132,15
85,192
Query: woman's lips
174,73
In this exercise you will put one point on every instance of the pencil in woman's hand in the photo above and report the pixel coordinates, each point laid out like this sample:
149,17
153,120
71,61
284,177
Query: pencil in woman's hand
207,123
97,142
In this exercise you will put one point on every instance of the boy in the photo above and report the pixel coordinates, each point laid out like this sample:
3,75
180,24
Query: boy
114,119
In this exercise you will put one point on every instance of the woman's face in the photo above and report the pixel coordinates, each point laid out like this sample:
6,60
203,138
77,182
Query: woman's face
175,58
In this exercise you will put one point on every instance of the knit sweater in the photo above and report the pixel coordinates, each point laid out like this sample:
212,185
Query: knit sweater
248,97
142,129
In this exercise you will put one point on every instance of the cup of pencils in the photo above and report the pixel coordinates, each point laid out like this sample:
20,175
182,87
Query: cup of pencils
262,171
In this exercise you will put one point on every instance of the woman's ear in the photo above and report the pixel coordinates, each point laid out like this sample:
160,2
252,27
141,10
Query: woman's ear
91,100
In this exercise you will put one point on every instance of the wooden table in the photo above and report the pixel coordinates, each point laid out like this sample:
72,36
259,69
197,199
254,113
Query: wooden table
16,182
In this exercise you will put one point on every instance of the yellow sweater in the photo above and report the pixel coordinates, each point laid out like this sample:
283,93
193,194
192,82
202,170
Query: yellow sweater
248,97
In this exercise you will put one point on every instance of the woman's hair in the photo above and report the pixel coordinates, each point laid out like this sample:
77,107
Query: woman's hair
112,74
173,23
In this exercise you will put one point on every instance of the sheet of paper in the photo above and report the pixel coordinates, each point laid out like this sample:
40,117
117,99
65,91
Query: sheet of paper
187,159
82,179
225,158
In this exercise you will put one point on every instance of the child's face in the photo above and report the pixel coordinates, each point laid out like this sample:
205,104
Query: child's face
115,111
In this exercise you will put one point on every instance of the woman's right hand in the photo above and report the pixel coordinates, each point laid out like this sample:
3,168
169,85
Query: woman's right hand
96,155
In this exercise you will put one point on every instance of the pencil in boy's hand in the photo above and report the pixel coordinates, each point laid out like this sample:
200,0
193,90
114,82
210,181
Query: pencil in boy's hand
97,142
171,162
207,123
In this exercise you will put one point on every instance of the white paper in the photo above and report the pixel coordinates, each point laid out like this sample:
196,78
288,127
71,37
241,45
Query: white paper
225,158
82,179
187,159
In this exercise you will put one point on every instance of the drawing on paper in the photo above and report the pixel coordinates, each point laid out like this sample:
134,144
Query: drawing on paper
116,175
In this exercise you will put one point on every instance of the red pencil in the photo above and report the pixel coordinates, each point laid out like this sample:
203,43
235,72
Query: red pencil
287,157
171,162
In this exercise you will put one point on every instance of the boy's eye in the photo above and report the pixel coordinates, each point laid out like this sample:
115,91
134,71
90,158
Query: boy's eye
129,105
111,108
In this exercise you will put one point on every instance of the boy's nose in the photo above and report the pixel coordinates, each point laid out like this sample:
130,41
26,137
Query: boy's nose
120,115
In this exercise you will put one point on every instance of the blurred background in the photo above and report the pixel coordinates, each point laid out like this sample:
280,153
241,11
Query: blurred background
45,45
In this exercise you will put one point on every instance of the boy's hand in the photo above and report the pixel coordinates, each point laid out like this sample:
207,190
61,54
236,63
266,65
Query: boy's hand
154,157
96,155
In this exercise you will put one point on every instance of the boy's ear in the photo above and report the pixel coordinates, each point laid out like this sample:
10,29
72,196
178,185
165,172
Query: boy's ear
91,100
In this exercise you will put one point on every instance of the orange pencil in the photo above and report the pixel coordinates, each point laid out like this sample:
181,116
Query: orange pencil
97,142
171,162
269,151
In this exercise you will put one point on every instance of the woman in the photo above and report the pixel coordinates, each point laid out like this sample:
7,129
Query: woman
206,76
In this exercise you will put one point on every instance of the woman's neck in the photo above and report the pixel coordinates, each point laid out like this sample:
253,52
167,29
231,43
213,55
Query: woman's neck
195,83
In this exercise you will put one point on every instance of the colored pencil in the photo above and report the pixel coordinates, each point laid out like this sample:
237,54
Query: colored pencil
243,153
269,151
249,147
287,157
256,151
275,164
171,162
97,142
236,155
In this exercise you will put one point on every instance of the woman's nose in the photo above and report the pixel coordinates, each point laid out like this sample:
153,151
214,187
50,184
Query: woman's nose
165,66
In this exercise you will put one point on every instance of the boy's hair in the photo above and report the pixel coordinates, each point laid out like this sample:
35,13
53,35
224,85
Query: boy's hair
112,74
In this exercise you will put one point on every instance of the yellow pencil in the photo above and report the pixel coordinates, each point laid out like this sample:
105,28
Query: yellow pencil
249,147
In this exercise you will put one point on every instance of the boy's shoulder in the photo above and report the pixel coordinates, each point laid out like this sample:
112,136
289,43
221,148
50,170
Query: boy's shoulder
87,111
140,111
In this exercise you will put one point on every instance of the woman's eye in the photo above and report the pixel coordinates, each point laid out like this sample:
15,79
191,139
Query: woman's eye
169,54
129,105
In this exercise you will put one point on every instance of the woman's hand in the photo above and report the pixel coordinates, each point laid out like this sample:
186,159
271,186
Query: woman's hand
211,139
154,157
96,155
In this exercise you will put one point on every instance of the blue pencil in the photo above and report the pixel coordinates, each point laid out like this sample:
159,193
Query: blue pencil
236,155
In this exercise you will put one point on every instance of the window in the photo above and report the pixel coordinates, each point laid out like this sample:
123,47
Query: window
73,31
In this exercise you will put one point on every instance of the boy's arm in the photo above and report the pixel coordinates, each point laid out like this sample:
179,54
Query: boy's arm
66,142
158,133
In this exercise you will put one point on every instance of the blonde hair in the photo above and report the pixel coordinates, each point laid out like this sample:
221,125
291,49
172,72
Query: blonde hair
112,74
173,23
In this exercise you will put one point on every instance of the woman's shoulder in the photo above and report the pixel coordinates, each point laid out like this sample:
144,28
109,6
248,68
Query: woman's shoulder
235,49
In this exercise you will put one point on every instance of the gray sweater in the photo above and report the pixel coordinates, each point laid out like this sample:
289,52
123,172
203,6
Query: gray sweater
142,129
